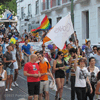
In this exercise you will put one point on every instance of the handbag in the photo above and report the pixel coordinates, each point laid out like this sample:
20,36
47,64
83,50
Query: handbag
88,90
53,86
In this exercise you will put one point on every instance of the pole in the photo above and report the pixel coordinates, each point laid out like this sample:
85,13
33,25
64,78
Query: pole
72,12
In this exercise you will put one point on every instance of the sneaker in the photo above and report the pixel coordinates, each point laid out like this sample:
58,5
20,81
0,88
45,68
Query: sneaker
11,89
16,84
13,84
6,90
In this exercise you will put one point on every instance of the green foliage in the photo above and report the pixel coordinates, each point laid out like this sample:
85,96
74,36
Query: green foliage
10,5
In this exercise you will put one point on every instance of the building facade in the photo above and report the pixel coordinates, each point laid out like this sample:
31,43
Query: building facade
86,16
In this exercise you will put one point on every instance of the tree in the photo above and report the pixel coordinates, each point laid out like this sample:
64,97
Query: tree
4,1
10,5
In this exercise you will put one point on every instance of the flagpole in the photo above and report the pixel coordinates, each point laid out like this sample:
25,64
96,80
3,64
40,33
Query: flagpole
72,12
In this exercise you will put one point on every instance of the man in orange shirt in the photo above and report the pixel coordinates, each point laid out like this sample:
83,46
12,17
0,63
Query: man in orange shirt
44,82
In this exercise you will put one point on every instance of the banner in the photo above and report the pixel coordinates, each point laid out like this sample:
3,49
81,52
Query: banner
61,31
36,46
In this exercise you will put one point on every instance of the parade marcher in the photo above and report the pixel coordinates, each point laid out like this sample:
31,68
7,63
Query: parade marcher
1,35
44,82
72,52
15,64
94,51
26,48
97,58
59,67
93,70
31,70
81,79
88,51
24,34
8,60
97,91
3,78
10,34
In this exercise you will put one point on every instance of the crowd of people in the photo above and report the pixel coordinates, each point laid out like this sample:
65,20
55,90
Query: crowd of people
79,63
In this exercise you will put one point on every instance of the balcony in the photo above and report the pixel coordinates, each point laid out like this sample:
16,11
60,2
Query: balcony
54,4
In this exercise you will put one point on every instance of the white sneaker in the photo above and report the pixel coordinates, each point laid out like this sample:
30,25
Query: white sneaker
6,90
13,84
16,84
11,89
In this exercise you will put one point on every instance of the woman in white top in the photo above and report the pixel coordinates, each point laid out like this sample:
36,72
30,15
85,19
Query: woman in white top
81,78
92,70
97,91
15,65
3,77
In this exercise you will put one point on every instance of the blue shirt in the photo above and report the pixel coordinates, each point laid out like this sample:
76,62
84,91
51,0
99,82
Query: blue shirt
26,49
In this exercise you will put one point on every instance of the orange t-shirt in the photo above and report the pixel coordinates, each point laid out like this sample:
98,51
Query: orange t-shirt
43,69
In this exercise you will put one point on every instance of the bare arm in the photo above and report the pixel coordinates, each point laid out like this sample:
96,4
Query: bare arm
5,77
5,61
75,62
30,75
97,89
54,65
51,74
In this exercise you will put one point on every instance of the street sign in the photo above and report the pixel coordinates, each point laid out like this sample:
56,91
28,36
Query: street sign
9,16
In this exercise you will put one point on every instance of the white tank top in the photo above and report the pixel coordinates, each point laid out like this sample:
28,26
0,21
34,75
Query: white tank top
2,83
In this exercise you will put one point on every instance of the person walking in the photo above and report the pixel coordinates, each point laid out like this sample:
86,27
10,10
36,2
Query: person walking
59,67
81,79
3,78
31,70
44,82
26,49
93,71
97,91
97,58
8,60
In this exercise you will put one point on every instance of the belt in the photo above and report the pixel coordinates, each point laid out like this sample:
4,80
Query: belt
42,80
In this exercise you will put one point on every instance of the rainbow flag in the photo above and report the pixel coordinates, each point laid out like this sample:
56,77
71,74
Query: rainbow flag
45,25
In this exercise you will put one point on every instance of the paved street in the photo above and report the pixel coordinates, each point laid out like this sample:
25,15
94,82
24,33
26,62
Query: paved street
20,93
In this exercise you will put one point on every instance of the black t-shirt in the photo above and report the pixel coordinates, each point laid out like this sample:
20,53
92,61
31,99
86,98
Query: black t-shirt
1,57
8,57
16,34
10,35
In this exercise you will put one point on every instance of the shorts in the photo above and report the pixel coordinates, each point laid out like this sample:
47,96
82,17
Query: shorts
15,65
44,85
33,88
59,75
10,71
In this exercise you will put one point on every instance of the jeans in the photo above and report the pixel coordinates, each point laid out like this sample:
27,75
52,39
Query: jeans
72,87
26,59
81,93
91,96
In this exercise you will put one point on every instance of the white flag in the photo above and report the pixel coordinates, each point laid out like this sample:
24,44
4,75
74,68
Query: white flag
61,31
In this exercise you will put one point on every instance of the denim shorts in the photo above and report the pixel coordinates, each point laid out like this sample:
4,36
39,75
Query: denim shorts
10,71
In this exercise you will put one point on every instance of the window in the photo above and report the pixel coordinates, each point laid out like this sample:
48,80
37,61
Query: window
85,24
99,22
58,19
29,9
47,4
58,2
29,27
22,12
37,7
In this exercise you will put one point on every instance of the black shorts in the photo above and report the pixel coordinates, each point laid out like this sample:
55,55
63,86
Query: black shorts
33,88
59,74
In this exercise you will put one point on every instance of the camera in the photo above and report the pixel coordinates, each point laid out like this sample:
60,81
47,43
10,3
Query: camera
0,78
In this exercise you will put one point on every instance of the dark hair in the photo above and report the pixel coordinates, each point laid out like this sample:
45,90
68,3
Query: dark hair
98,48
98,76
59,53
81,60
72,50
70,39
91,58
95,46
1,62
26,36
35,40
37,52
88,42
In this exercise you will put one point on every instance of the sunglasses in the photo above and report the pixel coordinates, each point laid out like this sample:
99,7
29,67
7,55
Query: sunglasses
0,64
62,55
94,49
